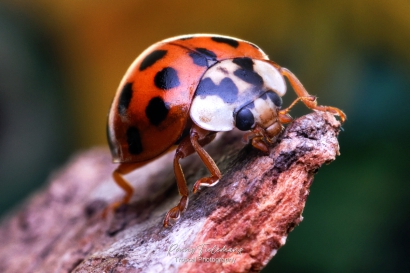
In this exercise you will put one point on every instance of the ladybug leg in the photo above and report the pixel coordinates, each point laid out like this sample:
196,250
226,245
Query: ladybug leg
261,137
117,175
304,95
259,143
284,117
257,138
200,137
184,149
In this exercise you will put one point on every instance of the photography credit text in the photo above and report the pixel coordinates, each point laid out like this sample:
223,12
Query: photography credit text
204,253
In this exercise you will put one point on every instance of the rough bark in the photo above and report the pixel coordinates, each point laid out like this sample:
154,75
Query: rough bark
235,226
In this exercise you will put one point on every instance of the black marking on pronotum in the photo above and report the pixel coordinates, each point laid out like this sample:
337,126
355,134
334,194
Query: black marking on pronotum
244,119
125,98
274,98
201,56
152,58
134,141
156,110
223,70
245,63
232,42
167,78
246,72
226,90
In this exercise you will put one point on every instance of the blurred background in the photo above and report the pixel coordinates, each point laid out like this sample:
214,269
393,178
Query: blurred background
61,62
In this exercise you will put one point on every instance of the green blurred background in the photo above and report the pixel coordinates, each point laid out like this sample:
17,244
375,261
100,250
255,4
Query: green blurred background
61,62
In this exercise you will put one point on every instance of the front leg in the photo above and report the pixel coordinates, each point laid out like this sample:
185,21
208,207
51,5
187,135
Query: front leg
307,99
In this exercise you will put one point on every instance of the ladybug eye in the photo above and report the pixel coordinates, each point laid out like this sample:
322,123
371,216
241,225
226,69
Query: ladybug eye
244,119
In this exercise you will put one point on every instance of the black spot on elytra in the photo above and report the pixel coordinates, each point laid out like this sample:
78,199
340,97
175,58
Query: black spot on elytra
245,63
226,90
228,41
246,72
201,56
152,58
186,38
125,98
244,119
167,78
198,58
274,98
134,141
255,46
208,53
156,110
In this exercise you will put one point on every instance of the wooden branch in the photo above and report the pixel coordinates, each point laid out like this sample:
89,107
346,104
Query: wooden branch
235,226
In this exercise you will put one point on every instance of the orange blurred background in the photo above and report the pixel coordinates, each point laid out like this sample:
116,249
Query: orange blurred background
96,41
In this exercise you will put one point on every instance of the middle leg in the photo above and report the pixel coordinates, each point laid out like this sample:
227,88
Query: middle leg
200,137
184,149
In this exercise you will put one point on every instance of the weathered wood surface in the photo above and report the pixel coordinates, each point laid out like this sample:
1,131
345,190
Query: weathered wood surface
235,226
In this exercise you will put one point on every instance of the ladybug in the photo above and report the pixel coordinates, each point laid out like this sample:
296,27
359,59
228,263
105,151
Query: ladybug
181,91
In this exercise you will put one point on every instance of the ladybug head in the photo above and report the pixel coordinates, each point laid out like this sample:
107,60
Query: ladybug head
262,111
